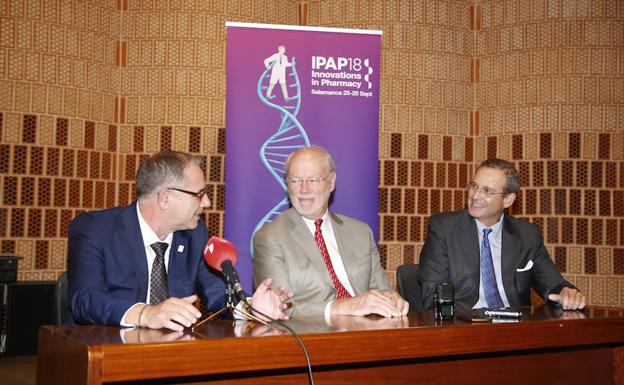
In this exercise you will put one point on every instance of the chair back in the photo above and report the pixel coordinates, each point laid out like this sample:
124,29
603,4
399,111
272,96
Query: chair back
61,305
409,286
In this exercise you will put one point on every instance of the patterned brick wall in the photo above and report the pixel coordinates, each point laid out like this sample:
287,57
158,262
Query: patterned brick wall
550,97
87,89
58,87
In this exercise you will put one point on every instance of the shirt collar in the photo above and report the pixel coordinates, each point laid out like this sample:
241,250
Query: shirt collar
309,222
149,236
496,228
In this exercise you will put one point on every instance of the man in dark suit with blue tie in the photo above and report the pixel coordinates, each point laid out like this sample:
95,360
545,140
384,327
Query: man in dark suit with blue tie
141,265
491,258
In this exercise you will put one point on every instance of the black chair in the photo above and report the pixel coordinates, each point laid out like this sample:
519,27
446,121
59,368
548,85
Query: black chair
409,286
61,305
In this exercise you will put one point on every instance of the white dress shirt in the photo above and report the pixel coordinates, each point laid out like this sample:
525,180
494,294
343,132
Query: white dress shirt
334,254
148,236
496,243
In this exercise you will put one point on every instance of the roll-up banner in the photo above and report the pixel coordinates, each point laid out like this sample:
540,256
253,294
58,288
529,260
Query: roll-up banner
289,87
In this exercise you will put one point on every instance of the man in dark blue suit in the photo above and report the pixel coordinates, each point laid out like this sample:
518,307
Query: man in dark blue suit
141,265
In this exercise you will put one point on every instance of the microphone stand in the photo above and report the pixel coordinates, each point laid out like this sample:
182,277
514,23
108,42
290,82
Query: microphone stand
231,308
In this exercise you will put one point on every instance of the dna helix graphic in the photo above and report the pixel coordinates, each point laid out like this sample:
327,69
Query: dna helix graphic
289,137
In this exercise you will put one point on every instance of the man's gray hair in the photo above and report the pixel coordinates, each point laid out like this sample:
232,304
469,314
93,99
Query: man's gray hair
165,168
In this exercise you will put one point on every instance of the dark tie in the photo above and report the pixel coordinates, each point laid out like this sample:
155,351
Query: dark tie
490,289
318,237
159,289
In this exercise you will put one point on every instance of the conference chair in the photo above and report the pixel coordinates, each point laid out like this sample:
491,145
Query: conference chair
60,300
409,286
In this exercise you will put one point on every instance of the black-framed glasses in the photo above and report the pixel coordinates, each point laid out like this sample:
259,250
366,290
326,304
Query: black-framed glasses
200,194
487,192
312,182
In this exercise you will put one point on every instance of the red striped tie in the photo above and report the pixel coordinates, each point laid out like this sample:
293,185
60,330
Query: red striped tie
318,237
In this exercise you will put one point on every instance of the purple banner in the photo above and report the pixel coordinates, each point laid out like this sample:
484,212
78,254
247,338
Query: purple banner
290,87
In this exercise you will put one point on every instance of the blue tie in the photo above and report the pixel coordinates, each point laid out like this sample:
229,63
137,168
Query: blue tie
490,289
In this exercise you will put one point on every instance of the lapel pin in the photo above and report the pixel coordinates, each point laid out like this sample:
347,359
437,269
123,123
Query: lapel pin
180,248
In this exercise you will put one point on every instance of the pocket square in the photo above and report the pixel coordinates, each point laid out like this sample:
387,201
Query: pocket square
528,266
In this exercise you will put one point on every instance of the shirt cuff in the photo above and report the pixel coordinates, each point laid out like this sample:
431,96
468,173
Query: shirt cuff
328,311
123,322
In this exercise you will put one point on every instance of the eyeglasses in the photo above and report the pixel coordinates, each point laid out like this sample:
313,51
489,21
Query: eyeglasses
312,182
487,192
199,195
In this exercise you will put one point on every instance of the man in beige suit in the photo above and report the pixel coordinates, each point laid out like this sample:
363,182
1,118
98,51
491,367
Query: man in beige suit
329,261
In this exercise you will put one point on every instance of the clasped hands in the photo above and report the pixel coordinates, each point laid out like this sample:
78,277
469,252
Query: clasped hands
385,303
178,313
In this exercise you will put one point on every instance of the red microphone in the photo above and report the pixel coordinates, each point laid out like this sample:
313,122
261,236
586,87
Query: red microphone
220,254
218,250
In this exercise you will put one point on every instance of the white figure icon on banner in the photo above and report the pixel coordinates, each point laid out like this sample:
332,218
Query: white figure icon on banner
279,62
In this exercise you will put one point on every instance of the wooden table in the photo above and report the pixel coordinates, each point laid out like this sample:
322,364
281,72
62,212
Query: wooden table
547,346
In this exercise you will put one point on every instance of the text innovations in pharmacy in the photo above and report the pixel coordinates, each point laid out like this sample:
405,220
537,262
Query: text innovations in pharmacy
336,79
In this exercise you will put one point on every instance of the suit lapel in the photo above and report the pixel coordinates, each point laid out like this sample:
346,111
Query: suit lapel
509,257
306,242
469,240
129,233
179,249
